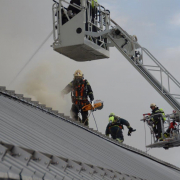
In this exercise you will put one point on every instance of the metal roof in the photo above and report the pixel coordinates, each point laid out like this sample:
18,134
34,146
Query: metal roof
21,163
30,125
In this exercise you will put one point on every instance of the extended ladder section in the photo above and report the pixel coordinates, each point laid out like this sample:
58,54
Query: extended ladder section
137,56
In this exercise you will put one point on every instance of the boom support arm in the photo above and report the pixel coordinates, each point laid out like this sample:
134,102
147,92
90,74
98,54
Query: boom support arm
86,36
135,54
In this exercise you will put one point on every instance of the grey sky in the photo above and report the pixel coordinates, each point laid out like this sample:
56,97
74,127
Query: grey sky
25,24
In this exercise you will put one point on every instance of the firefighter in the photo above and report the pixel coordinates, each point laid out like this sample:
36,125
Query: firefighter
115,127
72,8
156,119
170,129
80,91
94,14
78,2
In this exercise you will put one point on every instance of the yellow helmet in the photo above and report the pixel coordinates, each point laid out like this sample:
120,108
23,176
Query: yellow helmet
111,114
111,119
78,73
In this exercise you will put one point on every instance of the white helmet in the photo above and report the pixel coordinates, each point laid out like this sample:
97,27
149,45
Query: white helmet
134,38
152,105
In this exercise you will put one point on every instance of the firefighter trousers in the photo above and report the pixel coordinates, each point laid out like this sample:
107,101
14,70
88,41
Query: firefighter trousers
116,132
75,109
157,129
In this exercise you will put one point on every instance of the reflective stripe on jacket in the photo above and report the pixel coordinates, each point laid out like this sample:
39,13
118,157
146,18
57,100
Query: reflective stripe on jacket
94,3
157,111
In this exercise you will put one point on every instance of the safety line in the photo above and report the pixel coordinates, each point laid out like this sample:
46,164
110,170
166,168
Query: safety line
31,58
95,121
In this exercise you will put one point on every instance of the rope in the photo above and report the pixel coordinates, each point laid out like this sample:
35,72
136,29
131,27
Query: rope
87,118
31,57
95,120
151,136
145,139
91,112
145,136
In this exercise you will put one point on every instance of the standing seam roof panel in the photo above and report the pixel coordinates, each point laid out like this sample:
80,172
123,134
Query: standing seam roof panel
119,159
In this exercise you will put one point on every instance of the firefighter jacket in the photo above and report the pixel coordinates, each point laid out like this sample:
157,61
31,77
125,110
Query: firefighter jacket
119,123
94,2
80,91
78,2
156,118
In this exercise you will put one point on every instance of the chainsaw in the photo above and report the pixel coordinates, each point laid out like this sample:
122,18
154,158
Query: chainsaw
98,105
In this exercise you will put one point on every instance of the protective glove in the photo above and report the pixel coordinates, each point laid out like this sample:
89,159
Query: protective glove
130,131
92,103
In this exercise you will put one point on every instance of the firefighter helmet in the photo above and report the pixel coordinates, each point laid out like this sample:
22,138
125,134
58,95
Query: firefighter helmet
153,105
112,114
111,119
78,73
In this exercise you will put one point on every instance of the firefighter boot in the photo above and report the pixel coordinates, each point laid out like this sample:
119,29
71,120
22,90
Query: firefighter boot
166,135
161,138
157,138
119,140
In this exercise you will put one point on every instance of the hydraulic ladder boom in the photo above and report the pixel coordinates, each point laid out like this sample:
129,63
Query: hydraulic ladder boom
83,36
134,53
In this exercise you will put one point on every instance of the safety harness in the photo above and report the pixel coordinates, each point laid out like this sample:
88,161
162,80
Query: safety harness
114,123
79,93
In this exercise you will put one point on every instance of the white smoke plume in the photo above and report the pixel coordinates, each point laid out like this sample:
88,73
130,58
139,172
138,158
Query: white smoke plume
41,84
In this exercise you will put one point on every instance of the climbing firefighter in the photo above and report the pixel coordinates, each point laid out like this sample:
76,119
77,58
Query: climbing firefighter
80,91
156,119
115,127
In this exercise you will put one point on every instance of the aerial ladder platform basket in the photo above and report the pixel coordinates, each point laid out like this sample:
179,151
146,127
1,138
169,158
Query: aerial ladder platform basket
70,29
170,134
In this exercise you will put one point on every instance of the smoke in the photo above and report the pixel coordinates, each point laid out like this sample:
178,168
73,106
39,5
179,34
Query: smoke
41,85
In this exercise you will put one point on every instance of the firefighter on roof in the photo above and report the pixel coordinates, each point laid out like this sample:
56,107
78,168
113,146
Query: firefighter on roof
80,91
115,127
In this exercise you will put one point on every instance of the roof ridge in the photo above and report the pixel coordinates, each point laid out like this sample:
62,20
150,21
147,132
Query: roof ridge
21,98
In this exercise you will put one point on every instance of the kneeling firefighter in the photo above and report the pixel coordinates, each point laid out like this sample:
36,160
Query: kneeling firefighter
80,91
115,127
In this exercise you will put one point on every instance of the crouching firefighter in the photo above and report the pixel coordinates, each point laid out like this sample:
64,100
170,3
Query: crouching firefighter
115,127
80,91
